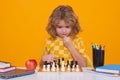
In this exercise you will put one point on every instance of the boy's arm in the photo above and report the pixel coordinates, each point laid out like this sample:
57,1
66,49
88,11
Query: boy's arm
41,63
82,61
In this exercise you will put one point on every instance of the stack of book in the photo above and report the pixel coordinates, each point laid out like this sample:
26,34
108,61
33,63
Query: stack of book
6,66
111,68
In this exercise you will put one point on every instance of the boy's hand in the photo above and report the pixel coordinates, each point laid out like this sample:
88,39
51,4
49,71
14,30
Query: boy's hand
49,58
67,42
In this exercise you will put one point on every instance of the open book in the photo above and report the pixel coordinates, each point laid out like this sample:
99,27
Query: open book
111,68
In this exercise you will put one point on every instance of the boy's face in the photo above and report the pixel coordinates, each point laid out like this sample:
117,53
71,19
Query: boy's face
63,29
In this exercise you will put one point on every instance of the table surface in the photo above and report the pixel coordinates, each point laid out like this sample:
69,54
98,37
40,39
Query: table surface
87,74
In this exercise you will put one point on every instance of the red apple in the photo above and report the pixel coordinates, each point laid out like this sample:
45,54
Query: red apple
31,64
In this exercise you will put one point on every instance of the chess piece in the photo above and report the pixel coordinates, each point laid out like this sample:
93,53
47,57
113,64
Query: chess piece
62,67
48,67
67,63
68,68
44,68
57,68
59,65
77,68
73,67
53,66
71,64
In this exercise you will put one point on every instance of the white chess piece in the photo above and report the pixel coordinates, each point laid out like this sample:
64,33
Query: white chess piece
48,67
57,68
44,68
62,67
77,68
53,66
68,68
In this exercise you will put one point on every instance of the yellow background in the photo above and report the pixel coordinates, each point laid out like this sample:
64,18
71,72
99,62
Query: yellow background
23,22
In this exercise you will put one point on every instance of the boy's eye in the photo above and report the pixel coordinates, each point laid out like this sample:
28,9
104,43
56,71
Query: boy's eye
67,26
59,27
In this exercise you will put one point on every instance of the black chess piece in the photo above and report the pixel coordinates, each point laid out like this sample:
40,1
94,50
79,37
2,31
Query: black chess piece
67,63
72,63
55,63
45,63
62,59
76,63
59,63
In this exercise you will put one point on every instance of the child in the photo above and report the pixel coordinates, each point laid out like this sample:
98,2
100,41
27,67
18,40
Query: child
63,27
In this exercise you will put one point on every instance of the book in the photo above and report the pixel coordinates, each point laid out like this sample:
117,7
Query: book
7,69
4,64
111,68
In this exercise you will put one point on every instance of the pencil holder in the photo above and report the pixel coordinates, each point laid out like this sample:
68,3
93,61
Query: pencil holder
98,57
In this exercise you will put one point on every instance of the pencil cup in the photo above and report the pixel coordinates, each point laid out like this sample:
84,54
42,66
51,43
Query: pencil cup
98,57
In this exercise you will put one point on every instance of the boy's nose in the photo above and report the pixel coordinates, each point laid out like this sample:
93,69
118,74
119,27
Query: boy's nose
63,30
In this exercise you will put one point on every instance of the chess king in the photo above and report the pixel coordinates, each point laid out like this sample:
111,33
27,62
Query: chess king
63,27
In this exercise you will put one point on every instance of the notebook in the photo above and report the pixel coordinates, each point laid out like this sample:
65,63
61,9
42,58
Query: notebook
15,73
111,68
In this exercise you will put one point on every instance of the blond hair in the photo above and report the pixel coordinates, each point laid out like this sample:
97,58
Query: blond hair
67,14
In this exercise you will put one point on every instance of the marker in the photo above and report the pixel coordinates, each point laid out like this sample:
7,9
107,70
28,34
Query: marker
96,47
93,46
103,47
100,47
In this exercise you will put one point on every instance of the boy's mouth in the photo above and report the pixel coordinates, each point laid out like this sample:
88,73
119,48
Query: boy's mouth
63,34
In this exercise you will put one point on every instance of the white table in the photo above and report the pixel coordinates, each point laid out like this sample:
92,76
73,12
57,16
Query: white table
85,75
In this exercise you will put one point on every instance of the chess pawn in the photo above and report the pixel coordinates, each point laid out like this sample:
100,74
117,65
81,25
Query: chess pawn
48,67
68,68
58,61
72,63
44,68
67,63
53,66
62,67
73,67
77,68
59,65
57,68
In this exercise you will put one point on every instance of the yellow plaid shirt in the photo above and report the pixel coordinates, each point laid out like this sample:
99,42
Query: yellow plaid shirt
55,46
